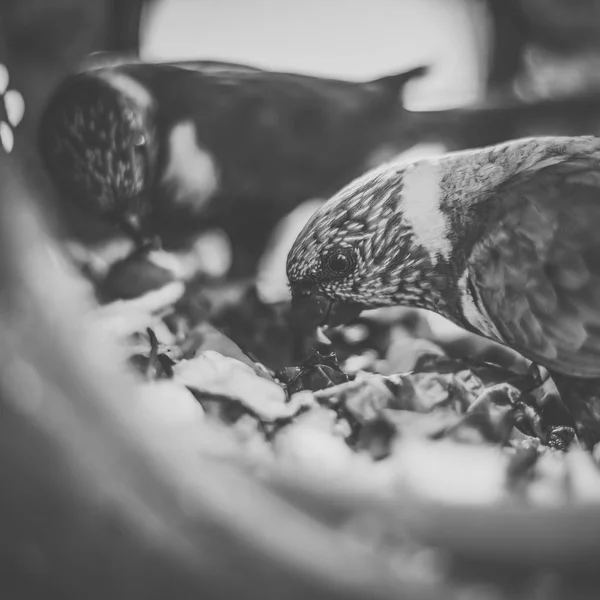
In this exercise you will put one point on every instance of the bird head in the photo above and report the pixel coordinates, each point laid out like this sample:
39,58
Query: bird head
96,139
402,234
365,248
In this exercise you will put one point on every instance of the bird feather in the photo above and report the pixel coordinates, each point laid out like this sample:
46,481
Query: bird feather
543,255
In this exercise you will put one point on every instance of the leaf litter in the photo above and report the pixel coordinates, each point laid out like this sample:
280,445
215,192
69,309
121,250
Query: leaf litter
465,448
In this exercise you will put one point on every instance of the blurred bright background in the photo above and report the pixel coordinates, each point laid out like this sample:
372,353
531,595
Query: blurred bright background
349,39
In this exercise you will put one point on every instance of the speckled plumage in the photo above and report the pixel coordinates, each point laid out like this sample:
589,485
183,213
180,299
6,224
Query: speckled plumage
366,218
502,209
97,144
504,241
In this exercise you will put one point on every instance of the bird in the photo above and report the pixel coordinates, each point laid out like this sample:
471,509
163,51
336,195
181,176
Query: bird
502,240
167,149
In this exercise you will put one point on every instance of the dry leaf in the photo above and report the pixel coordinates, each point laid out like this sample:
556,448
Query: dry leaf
213,374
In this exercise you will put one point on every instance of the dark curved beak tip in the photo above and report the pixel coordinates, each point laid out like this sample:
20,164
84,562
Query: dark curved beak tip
341,313
309,310
312,309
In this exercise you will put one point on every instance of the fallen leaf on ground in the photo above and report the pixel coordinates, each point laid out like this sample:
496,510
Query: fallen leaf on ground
213,374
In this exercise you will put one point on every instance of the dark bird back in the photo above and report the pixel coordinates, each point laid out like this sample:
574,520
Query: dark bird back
196,144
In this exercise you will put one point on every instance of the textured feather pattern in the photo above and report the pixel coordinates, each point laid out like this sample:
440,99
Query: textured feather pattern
94,140
537,270
522,221
365,218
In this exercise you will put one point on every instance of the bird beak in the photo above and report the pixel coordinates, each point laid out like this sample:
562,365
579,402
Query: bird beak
312,309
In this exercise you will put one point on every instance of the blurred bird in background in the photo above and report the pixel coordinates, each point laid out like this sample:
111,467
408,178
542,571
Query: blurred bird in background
172,149
169,149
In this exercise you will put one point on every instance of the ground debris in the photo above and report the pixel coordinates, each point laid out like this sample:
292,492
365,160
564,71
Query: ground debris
377,408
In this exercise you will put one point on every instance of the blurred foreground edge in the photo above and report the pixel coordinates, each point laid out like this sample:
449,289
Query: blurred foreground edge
97,503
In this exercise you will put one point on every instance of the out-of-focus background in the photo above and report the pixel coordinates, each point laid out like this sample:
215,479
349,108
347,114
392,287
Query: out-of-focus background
550,46
345,39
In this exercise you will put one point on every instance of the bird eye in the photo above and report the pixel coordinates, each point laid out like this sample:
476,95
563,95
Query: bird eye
339,262
139,139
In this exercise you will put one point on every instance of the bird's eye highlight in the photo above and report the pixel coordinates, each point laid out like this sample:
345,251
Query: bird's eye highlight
339,263
139,139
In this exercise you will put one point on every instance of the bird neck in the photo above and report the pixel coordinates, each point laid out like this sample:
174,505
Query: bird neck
447,204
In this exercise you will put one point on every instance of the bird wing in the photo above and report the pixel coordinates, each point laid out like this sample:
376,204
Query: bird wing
536,269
